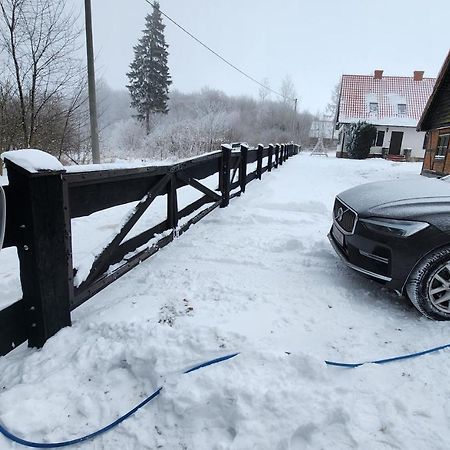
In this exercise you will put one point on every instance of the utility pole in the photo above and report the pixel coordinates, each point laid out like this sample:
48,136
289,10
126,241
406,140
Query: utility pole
91,84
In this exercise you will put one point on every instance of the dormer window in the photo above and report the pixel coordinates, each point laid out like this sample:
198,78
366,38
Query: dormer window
373,108
401,109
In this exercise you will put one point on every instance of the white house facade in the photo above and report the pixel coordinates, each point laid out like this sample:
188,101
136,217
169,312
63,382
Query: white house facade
393,105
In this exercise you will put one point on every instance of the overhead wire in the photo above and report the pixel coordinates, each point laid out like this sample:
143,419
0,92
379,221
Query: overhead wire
220,56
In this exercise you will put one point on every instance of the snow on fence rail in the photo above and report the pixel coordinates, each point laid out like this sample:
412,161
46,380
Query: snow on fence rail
40,206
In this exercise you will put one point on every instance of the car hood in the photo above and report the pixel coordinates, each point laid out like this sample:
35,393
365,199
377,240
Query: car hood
413,198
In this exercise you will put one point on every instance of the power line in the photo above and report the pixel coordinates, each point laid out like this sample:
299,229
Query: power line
219,56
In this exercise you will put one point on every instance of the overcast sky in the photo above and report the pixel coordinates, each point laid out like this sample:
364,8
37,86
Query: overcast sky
313,41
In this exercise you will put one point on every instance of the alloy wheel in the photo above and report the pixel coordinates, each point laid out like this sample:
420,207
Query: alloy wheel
439,288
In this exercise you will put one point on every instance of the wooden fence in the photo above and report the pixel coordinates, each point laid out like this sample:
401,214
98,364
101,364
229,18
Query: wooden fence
40,207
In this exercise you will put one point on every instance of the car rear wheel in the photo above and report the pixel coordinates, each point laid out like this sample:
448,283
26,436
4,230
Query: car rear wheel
428,286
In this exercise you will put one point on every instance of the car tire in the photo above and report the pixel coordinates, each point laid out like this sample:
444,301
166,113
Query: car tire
429,283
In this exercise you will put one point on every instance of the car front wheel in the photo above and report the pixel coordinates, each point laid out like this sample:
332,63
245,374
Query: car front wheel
428,286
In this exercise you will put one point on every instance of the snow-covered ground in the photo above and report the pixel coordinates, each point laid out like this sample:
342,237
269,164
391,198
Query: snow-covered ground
258,277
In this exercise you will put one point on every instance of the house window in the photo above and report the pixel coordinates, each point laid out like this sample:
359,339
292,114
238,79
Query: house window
401,109
425,141
373,108
380,139
442,145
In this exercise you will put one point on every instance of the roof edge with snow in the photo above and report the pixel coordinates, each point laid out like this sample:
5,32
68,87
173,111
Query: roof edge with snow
443,72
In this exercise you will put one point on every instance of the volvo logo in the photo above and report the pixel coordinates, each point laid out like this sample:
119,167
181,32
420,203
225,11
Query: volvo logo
340,215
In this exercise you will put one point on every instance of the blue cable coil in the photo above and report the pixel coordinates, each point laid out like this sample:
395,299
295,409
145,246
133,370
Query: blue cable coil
90,436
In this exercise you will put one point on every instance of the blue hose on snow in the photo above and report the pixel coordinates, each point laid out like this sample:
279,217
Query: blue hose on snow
389,360
24,442
155,394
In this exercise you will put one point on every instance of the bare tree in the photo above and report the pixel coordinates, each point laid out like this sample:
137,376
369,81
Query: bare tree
332,106
263,91
10,120
40,39
287,90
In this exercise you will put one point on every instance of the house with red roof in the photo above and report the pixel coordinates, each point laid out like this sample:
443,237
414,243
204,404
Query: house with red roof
393,104
435,121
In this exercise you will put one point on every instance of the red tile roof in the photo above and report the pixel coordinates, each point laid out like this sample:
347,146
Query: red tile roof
358,91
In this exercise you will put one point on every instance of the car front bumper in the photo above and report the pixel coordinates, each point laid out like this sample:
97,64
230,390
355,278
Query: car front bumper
387,259
345,258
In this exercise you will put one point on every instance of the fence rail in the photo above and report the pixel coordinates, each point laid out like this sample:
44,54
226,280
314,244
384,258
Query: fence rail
40,207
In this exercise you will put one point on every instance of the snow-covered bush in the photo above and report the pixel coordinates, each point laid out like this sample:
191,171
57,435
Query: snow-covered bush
361,138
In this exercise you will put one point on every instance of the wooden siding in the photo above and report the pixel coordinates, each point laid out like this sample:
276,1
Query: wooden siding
438,166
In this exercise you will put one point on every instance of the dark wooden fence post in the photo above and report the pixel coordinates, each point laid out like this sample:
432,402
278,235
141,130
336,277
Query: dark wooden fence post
259,162
270,157
225,175
44,247
172,203
277,155
281,158
243,167
285,152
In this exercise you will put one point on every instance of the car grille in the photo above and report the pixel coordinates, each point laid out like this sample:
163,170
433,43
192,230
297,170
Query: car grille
344,217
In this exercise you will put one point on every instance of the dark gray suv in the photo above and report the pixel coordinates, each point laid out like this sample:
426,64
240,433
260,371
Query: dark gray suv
398,233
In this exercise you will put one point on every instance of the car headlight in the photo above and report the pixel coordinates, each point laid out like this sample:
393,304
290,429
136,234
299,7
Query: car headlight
392,227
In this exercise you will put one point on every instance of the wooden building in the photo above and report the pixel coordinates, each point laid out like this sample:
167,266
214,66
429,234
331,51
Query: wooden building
435,121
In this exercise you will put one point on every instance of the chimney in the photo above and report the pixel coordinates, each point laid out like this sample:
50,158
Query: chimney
378,74
418,75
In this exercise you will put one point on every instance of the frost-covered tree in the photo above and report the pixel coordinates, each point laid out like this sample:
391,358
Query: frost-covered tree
149,73
199,122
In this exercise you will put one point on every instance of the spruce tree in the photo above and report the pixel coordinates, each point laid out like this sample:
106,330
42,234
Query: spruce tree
149,74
